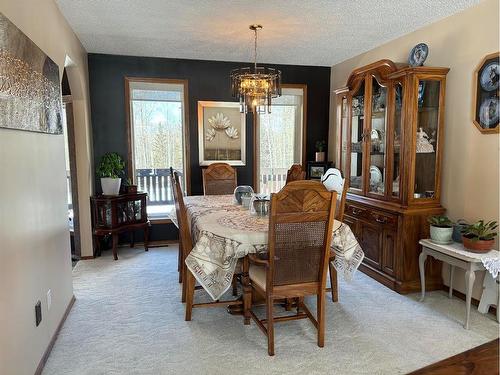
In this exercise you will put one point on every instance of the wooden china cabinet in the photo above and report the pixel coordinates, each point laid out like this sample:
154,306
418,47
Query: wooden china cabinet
390,120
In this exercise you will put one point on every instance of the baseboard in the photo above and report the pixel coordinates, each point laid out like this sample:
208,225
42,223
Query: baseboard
87,257
45,356
474,301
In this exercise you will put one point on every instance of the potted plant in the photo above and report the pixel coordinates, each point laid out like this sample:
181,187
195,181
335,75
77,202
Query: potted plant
441,229
109,170
320,153
479,237
130,187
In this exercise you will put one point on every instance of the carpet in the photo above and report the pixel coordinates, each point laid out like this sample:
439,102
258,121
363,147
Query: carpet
128,319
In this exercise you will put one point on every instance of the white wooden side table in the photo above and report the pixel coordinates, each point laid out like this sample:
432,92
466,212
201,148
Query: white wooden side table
456,256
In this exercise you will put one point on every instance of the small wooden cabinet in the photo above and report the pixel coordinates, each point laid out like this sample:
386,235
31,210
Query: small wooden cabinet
112,215
390,120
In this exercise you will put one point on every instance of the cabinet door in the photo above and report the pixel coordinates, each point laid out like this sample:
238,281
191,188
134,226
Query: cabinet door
344,132
388,249
352,223
370,237
396,147
376,138
356,135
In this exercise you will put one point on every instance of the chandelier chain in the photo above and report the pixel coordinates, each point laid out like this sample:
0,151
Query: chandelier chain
255,51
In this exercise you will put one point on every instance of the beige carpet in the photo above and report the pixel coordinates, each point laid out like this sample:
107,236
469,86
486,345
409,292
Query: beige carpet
128,319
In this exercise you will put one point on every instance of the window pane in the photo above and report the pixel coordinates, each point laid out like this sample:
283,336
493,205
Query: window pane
280,140
157,126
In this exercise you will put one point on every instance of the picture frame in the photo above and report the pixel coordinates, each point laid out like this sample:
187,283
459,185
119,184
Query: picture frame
486,103
221,133
316,169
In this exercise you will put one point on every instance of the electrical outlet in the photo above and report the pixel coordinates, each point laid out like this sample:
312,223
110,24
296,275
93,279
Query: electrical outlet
49,299
38,313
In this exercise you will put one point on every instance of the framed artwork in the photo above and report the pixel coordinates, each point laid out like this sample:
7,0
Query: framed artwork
221,133
30,90
316,169
486,99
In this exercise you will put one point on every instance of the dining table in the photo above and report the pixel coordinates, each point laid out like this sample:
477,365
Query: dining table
224,231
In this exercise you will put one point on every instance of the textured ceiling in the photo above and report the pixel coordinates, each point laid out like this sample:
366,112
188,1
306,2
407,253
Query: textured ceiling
303,32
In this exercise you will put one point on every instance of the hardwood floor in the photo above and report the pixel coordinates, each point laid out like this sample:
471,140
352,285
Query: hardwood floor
480,360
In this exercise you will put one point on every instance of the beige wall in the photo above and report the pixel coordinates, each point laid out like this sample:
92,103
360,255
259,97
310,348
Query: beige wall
34,237
470,177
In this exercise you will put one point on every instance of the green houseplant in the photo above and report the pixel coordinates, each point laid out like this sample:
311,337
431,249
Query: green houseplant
479,237
109,170
441,229
320,150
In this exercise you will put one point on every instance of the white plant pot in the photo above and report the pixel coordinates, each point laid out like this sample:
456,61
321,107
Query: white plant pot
320,156
441,235
110,186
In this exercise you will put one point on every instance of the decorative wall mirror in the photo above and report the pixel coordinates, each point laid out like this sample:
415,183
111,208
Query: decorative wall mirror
486,99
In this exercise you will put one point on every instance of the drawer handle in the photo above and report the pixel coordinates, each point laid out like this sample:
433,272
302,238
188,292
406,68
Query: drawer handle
380,220
355,211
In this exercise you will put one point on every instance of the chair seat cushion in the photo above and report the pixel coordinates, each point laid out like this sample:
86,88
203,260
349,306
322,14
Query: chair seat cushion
258,275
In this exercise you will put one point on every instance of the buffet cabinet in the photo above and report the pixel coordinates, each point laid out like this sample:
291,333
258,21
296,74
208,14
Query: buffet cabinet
390,120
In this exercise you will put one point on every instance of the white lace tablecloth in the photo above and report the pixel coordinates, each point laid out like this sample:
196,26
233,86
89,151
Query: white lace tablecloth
223,232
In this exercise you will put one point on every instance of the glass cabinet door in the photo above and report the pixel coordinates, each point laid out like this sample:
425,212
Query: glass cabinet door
344,134
357,124
377,138
396,143
426,138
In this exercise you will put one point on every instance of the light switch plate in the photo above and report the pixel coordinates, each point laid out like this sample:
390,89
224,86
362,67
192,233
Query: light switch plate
49,299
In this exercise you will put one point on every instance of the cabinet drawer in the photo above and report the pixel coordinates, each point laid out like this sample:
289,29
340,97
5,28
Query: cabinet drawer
383,218
373,216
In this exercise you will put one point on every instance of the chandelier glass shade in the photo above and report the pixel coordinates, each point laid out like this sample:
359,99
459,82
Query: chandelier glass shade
255,86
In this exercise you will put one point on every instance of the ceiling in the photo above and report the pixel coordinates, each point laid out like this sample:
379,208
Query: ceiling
302,32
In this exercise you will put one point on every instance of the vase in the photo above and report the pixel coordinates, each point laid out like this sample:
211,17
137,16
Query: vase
320,156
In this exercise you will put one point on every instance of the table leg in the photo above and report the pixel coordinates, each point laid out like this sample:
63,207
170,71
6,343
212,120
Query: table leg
146,238
452,271
469,283
421,263
115,245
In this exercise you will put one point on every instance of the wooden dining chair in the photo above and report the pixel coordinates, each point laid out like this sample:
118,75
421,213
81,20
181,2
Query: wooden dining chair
174,182
188,280
333,181
295,173
218,179
300,231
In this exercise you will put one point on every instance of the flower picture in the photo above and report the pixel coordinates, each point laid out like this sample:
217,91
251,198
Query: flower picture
221,133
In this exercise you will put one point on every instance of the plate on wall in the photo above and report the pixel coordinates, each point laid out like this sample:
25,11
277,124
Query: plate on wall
490,76
418,54
489,112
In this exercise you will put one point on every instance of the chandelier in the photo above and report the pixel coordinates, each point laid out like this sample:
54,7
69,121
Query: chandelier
254,87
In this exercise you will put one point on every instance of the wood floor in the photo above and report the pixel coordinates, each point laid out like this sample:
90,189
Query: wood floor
480,360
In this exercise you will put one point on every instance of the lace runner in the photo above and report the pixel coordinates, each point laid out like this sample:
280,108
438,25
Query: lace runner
223,232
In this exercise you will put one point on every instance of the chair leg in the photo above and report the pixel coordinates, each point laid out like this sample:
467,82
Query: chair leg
320,314
247,292
270,326
333,282
179,263
184,272
235,286
190,283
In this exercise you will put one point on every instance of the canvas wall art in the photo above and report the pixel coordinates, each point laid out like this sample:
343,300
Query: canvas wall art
221,133
30,96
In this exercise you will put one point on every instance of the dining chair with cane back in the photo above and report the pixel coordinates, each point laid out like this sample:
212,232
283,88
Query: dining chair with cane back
333,181
300,228
218,179
189,281
295,173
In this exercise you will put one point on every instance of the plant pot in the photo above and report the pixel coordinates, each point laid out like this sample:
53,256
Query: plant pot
478,246
131,189
110,186
457,230
320,156
441,235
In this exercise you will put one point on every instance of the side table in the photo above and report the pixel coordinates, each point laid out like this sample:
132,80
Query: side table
112,215
456,256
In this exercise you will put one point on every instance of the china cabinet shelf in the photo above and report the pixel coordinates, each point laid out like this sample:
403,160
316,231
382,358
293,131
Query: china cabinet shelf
390,197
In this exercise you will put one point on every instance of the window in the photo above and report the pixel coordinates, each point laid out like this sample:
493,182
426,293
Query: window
157,123
280,138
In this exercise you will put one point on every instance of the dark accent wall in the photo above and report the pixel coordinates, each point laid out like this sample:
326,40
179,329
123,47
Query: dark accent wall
208,80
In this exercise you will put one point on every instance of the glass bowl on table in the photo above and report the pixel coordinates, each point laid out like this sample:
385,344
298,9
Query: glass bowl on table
240,191
260,205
